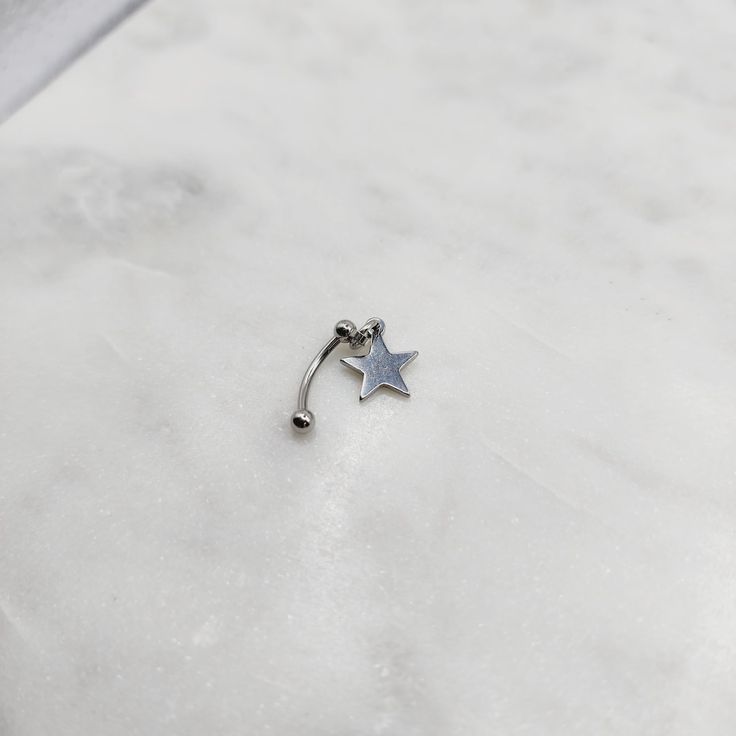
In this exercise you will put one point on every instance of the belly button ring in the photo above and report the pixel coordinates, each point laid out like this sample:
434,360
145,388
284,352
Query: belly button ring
379,367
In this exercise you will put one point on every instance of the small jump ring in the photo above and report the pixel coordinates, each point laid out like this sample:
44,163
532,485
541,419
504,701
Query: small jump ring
369,331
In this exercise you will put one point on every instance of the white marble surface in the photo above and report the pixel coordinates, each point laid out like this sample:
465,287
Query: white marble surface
540,198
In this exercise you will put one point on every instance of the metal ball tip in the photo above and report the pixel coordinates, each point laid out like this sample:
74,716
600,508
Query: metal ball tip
302,420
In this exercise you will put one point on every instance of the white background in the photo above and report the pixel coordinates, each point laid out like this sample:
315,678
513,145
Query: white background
540,198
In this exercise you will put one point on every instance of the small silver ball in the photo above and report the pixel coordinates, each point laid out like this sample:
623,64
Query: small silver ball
302,420
344,329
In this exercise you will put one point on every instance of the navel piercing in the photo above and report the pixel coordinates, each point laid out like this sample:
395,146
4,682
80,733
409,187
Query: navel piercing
379,367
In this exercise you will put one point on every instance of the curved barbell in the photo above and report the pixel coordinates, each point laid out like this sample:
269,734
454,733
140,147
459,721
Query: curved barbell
379,367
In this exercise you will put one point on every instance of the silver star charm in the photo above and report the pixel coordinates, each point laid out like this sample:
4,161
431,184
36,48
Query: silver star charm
380,368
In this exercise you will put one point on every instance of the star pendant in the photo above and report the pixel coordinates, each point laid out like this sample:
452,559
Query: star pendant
380,368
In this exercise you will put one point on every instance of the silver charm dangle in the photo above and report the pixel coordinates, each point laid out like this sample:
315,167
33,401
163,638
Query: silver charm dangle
379,367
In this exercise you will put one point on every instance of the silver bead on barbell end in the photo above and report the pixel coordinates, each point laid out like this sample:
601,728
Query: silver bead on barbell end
345,330
302,420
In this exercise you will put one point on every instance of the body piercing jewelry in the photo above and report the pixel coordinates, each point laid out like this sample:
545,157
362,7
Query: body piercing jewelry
379,367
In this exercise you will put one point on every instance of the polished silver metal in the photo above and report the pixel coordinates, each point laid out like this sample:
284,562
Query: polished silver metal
345,329
379,367
372,328
302,419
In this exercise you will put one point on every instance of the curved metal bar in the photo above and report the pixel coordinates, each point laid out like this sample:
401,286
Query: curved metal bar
316,363
302,420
